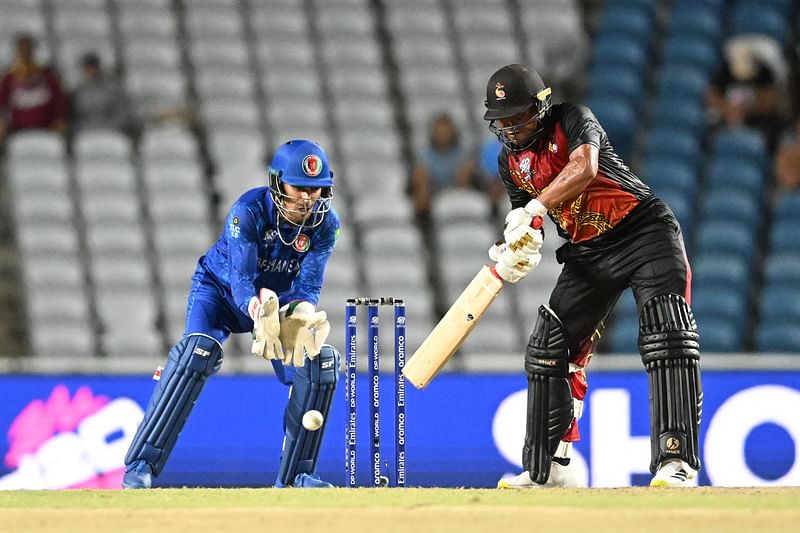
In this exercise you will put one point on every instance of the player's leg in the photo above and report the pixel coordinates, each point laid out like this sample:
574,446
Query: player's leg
670,350
559,348
312,388
189,364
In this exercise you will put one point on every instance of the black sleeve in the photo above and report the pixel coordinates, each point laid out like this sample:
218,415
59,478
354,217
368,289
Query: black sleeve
518,197
580,126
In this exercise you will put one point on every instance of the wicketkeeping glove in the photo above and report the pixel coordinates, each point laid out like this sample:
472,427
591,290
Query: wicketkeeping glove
266,325
303,332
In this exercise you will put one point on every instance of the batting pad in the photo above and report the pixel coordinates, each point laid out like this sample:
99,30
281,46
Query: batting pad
189,364
313,388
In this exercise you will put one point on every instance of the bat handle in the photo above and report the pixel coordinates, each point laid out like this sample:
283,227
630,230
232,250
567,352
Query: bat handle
537,222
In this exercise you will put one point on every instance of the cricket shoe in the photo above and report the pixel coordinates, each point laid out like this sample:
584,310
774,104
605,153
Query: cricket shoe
306,481
138,475
560,476
674,473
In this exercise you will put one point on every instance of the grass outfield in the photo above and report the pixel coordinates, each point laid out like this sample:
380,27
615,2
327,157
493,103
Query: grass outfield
378,510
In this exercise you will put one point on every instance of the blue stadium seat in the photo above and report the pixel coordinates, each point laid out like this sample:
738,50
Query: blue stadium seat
670,174
619,50
784,236
699,6
698,52
779,303
740,174
718,335
720,304
629,20
684,83
619,81
696,19
618,118
725,204
674,112
788,207
623,335
678,143
782,268
758,18
740,143
714,270
780,337
727,238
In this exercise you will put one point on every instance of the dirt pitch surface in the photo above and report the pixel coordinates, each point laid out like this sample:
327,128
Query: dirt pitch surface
424,510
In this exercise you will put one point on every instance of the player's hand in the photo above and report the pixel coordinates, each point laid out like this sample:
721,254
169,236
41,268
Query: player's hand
266,325
521,233
513,266
303,332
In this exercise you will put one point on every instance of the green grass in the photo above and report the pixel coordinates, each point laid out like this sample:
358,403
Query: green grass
627,498
412,509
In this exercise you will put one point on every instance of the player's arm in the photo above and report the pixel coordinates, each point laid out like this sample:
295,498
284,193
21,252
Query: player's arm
240,233
303,328
573,178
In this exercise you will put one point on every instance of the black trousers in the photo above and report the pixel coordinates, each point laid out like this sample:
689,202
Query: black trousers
645,253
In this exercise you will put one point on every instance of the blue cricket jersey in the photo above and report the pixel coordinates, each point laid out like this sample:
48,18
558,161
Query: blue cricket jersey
249,254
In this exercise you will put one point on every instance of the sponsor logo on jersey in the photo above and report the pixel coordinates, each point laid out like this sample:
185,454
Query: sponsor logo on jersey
553,148
270,235
525,167
499,92
302,243
236,221
312,165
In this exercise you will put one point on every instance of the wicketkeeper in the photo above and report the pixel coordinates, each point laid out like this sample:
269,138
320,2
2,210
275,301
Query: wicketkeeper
557,160
264,274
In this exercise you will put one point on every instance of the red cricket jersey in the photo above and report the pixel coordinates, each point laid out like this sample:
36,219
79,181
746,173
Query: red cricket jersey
608,198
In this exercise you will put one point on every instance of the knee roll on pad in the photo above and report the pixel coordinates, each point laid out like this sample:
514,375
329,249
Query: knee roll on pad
668,343
550,405
189,364
313,388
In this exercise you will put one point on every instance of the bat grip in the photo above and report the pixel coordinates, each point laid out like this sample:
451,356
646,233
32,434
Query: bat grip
537,222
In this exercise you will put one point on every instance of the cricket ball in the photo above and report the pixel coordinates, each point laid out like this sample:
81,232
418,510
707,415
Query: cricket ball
312,420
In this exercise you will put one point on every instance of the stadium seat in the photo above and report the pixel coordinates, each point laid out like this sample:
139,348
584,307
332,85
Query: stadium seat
678,143
670,173
784,237
720,304
782,268
727,172
696,19
741,143
782,338
683,83
723,204
719,336
720,271
697,52
726,238
780,304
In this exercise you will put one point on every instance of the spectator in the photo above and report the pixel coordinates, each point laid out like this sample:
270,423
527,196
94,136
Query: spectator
31,96
98,101
490,174
747,89
443,164
787,160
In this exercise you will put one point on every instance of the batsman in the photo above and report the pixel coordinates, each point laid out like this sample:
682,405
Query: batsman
263,275
557,161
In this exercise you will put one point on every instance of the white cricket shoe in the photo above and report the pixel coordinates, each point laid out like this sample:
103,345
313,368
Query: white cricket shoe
560,476
674,473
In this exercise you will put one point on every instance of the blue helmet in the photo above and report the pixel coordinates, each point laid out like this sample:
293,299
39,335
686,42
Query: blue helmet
301,163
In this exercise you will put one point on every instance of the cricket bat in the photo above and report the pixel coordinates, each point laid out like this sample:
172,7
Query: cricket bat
453,328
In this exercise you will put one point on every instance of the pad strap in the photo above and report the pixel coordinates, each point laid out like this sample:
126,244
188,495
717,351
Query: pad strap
668,343
190,362
550,405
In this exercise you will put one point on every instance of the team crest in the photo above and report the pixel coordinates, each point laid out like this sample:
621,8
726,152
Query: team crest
499,92
312,165
302,243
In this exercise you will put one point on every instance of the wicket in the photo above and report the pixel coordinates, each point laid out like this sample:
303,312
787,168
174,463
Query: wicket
373,328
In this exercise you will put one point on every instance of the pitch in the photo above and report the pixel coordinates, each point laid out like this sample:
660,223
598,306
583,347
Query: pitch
413,509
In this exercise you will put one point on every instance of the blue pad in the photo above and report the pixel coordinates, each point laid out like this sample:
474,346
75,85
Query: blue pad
313,388
189,364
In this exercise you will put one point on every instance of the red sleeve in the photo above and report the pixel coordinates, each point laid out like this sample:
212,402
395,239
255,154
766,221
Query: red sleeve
58,106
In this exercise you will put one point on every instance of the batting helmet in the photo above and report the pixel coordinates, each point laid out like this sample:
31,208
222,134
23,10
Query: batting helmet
301,163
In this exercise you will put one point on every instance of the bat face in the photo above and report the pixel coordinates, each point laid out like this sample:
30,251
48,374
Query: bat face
454,327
